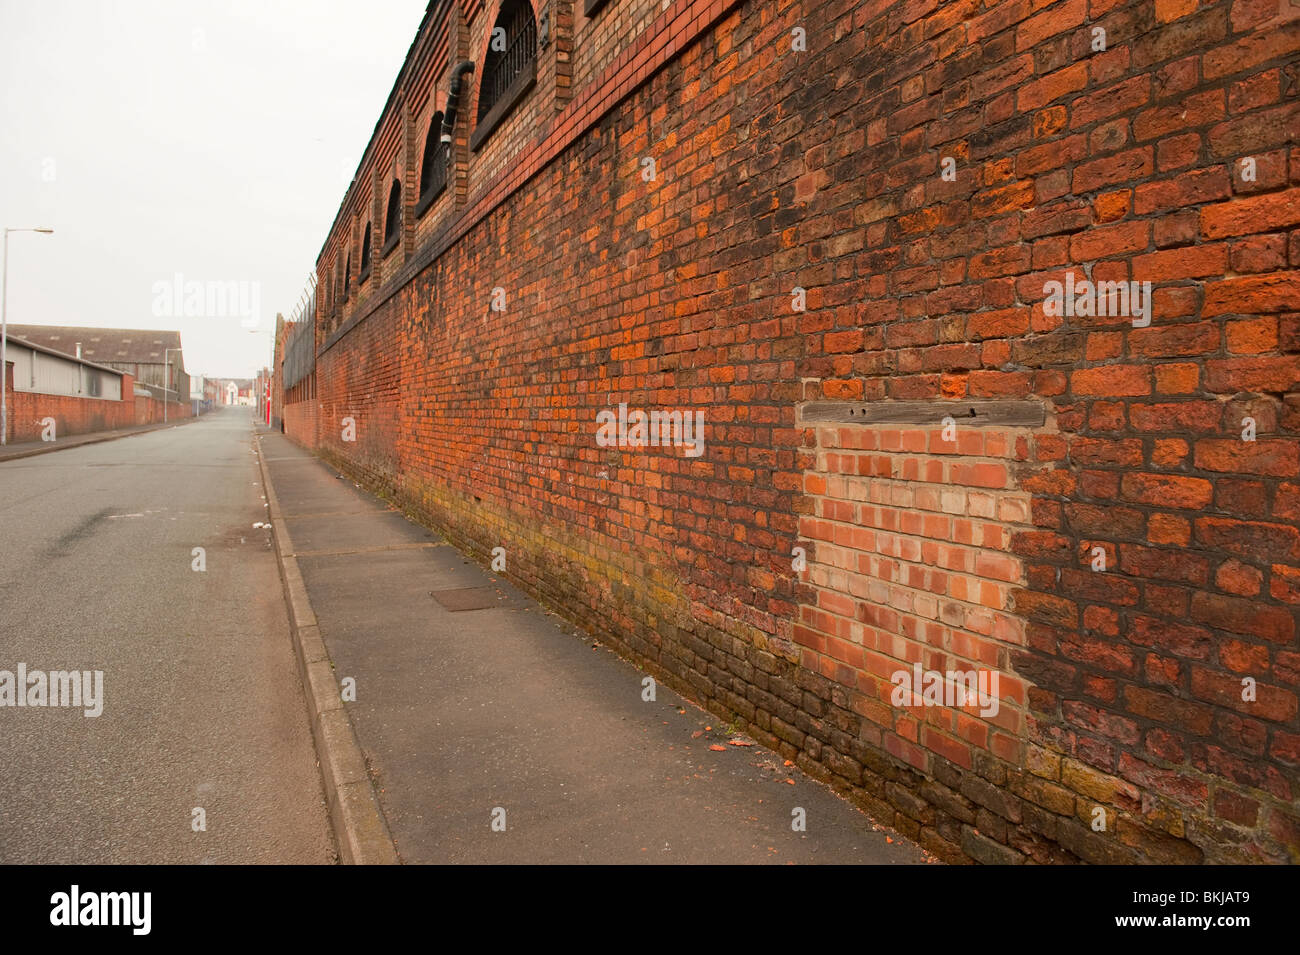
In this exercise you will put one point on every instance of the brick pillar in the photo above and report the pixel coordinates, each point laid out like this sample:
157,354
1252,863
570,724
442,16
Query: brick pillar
560,53
126,410
458,174
9,401
410,176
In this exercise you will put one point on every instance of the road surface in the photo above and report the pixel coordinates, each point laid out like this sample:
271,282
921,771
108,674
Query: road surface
202,706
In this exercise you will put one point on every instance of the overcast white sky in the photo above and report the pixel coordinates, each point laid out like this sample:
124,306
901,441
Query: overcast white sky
211,139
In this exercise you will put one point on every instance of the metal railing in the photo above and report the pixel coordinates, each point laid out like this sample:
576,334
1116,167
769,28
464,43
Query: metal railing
502,66
300,342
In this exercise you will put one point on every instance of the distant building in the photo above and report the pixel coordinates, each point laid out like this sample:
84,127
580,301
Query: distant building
50,372
49,393
152,357
236,391
204,393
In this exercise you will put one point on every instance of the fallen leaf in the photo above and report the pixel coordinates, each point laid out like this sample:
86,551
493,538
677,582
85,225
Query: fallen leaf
790,781
718,749
740,742
789,762
697,734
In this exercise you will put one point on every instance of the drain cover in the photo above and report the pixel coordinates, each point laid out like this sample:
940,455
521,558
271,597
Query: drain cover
469,598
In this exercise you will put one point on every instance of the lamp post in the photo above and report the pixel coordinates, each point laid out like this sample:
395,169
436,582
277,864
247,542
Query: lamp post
167,378
257,379
4,335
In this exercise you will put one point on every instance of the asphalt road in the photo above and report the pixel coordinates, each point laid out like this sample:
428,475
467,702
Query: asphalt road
202,706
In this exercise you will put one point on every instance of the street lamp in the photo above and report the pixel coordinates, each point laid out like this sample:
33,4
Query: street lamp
4,335
167,379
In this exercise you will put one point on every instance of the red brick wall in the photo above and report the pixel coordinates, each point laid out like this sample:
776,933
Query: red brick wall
150,410
300,422
360,396
300,410
1121,686
73,415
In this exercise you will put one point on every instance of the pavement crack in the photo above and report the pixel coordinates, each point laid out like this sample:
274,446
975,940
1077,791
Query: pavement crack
313,515
417,545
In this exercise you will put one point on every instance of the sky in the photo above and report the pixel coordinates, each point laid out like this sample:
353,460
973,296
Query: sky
184,146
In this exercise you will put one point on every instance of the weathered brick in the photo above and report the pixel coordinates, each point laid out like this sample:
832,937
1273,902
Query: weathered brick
983,849
821,170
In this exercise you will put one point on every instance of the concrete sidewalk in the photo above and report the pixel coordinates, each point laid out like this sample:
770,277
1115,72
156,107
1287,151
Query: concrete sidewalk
501,705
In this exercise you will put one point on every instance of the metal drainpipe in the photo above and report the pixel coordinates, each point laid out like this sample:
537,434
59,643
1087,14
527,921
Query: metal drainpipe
453,100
